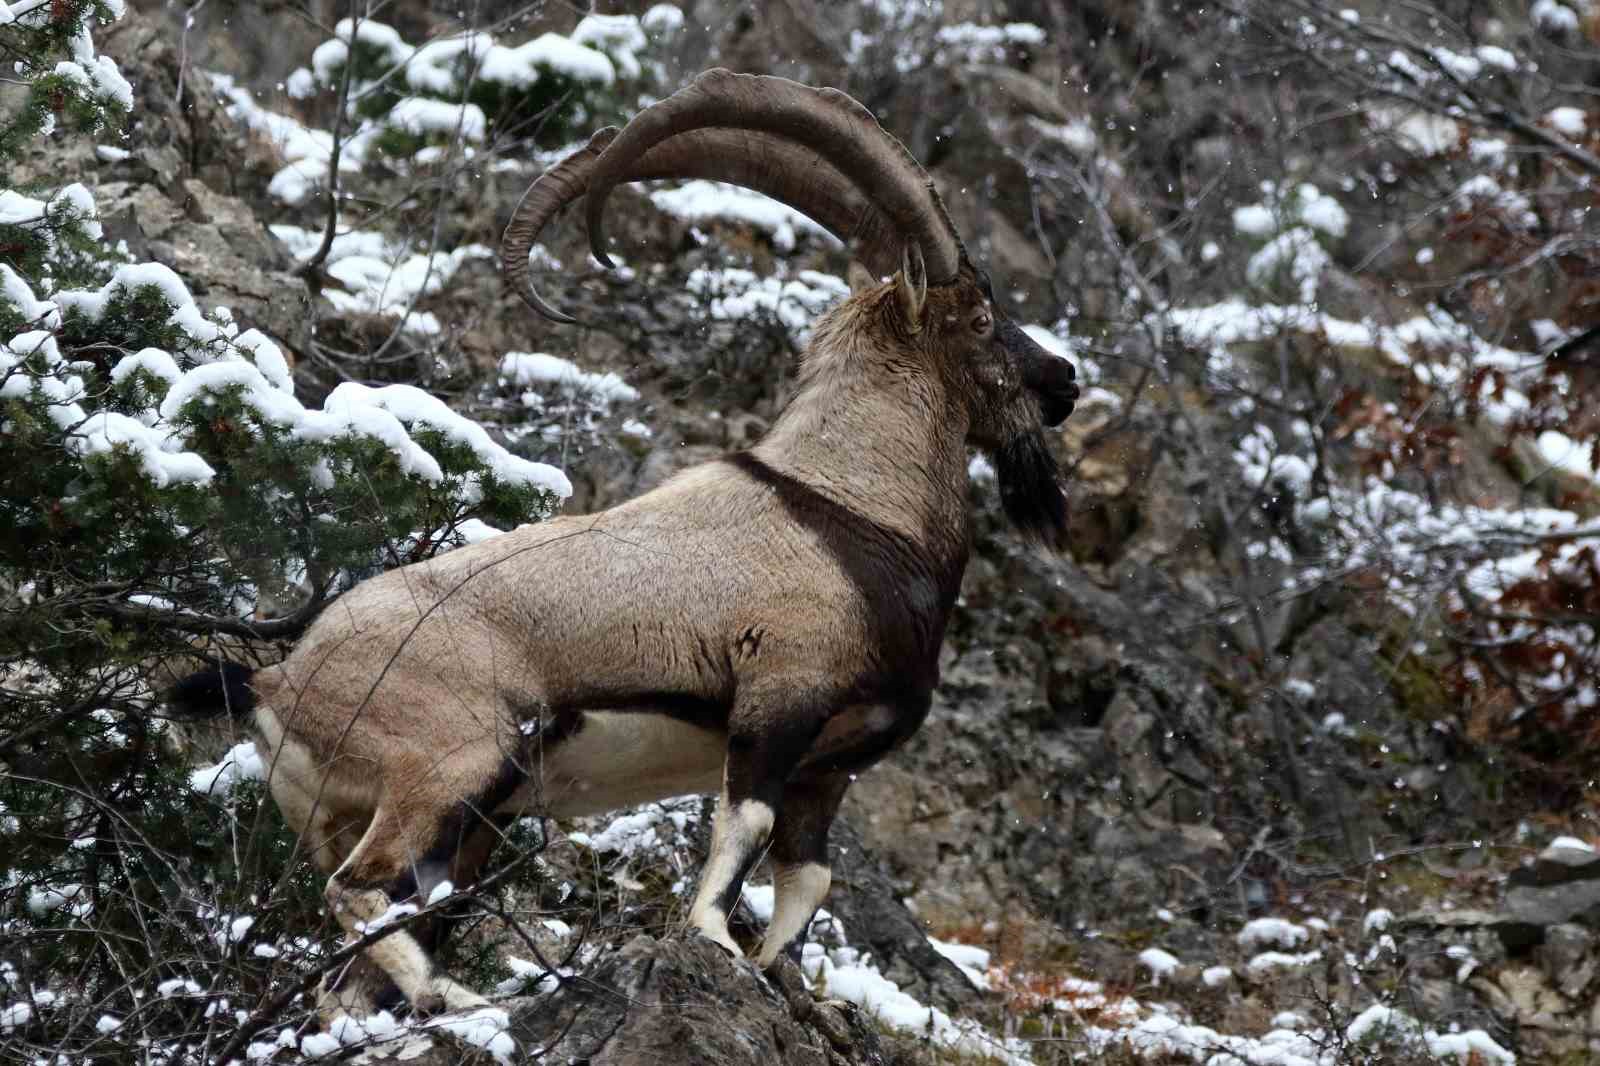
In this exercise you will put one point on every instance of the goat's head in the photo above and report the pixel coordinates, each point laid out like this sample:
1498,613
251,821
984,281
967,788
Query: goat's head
824,154
1000,384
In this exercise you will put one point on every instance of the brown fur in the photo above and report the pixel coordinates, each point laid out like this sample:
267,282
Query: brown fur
763,625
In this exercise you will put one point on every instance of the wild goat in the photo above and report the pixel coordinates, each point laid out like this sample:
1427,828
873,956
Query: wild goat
767,624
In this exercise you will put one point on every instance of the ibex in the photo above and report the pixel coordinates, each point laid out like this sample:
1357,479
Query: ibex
766,625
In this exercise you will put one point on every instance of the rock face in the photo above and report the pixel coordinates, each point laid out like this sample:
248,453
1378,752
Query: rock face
1562,886
685,1001
675,1002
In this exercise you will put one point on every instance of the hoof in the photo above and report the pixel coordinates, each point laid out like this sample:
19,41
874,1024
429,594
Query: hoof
829,1019
348,1001
786,977
455,995
723,941
429,1004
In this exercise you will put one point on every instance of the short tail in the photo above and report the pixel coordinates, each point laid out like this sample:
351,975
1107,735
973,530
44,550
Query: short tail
220,689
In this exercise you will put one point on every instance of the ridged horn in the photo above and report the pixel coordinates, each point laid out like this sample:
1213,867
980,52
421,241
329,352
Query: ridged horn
791,171
829,122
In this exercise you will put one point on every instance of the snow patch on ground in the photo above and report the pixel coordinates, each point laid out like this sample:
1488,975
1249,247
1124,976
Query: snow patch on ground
732,293
696,201
524,369
1272,931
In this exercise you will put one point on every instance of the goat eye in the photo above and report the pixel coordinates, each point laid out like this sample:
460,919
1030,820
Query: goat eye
981,324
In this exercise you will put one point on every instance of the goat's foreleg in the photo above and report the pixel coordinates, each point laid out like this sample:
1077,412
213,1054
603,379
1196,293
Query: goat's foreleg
738,838
800,857
766,742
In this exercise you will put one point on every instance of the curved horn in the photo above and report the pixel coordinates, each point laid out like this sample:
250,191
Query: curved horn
785,170
550,192
829,122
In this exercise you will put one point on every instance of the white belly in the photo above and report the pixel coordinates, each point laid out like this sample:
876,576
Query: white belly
622,759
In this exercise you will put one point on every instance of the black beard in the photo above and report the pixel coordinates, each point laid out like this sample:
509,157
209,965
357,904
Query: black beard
1030,490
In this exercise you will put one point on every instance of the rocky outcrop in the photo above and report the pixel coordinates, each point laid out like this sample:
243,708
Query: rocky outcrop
673,1002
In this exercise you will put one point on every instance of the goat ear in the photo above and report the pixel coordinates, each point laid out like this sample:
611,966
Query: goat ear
911,286
860,278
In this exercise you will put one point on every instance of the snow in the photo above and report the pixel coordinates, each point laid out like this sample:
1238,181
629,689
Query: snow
646,829
19,294
1215,976
970,960
1162,1035
306,152
354,403
1376,1020
618,36
1483,190
1568,121
1306,206
159,453
845,974
1553,17
392,286
1320,211
17,209
74,898
1376,921
662,18
242,763
1275,931
699,200
58,389
303,243
178,986
1268,961
1160,963
1420,132
110,153
348,1030
487,1028
523,369
301,84
1255,220
1566,844
1495,56
1077,134
1294,256
258,395
267,358
130,277
74,200
421,116
1264,466
733,293
1472,1048
99,73
390,414
1463,67
970,43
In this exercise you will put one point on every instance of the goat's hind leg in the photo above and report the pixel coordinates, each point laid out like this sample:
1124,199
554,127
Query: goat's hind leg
411,846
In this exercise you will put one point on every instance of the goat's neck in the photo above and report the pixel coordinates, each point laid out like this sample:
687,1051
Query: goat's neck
883,443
